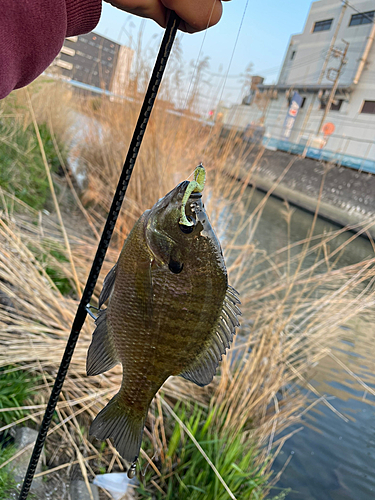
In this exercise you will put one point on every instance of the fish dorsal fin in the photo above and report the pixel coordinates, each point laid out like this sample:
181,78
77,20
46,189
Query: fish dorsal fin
203,369
101,356
108,283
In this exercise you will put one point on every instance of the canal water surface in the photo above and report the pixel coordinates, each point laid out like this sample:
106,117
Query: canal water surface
331,458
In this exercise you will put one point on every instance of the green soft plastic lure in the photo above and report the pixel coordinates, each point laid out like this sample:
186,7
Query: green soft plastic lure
195,186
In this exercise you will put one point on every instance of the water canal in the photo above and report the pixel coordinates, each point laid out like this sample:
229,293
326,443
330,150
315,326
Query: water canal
332,459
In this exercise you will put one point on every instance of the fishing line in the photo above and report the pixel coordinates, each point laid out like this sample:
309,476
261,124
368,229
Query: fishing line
190,85
198,57
144,115
229,65
226,75
193,75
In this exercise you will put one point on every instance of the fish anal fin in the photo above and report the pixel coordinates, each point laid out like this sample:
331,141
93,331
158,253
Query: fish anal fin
123,425
108,283
203,369
101,355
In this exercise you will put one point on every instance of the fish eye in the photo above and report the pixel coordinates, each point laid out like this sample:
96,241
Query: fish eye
187,229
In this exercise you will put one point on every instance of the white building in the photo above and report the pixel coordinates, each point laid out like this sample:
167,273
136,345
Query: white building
310,67
121,76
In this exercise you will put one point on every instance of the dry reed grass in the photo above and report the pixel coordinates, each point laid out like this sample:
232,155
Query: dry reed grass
291,312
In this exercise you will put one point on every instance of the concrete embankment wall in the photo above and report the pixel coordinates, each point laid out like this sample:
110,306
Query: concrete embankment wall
347,196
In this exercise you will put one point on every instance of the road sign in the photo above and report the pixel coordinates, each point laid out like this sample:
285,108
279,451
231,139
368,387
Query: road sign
328,128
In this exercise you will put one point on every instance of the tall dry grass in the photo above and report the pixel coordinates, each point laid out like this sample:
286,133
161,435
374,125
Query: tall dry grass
291,311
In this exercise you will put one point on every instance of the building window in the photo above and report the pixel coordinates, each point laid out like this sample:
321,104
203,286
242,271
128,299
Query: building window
362,18
368,107
64,64
323,25
335,106
293,54
68,51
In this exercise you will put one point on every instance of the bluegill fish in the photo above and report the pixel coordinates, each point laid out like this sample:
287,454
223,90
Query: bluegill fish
170,311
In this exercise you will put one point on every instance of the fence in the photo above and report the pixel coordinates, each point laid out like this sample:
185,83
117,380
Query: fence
318,148
361,164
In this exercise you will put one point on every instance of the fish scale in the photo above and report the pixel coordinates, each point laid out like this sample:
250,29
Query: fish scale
170,311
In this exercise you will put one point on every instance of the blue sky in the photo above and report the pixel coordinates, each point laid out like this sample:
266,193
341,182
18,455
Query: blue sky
263,39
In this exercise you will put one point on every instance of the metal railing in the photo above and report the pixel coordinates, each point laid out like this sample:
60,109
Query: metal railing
344,150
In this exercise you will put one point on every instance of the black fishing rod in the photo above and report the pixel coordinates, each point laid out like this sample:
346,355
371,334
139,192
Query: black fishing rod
140,128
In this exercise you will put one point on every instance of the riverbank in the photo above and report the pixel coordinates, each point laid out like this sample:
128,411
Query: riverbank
347,196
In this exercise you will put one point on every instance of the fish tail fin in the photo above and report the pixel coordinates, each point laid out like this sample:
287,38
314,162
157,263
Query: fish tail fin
123,425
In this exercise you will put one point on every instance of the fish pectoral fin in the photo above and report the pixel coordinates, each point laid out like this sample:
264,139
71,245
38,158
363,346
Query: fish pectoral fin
203,369
101,355
123,425
108,283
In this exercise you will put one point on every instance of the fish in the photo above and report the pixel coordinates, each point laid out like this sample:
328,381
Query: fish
170,312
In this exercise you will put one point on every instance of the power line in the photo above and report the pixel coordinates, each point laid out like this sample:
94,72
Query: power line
261,72
359,12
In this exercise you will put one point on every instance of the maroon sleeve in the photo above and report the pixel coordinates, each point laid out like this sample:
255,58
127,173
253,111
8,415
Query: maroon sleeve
32,33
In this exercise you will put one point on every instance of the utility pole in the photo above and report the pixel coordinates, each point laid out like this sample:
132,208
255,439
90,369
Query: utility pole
333,41
335,84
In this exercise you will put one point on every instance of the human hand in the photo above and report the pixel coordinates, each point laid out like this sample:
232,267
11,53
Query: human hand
196,15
